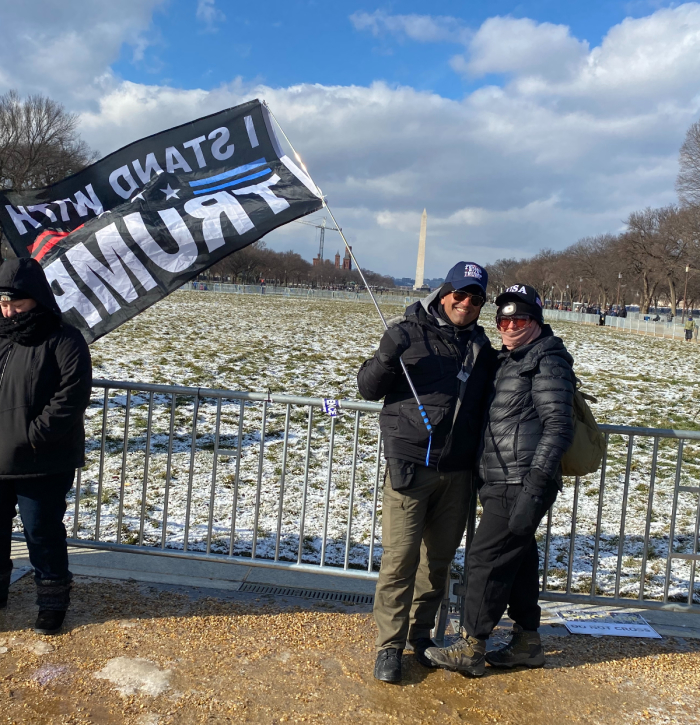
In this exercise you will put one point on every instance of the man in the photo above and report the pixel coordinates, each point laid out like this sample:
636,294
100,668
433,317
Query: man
689,328
428,480
45,384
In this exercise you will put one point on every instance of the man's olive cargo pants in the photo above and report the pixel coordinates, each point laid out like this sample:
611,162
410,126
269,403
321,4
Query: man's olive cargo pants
422,526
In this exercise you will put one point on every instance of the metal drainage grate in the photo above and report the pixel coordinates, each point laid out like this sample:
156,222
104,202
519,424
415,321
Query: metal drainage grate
346,597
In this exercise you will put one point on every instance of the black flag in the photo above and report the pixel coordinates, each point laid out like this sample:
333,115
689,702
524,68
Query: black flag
123,233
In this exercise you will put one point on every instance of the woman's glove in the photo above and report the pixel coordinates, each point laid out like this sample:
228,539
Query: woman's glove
531,504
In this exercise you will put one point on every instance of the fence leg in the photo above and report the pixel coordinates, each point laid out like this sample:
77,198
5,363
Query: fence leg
438,633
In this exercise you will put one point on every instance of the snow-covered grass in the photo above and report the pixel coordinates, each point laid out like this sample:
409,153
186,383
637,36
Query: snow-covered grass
314,348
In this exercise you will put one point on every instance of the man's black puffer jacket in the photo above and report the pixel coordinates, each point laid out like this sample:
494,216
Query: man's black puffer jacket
434,360
529,422
44,389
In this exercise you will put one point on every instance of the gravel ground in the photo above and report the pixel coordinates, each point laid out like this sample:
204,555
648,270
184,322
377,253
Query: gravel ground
155,655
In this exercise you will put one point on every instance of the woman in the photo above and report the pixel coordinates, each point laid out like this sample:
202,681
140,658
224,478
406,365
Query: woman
45,384
529,426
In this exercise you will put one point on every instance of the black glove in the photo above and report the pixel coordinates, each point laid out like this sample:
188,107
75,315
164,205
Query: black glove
394,343
532,503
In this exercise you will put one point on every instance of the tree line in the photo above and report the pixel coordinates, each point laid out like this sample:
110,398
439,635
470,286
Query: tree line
654,261
257,262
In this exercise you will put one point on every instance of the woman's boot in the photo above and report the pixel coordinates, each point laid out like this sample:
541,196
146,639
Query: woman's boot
53,598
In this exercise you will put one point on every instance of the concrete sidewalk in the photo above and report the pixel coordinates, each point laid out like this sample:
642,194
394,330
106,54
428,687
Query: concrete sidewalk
231,577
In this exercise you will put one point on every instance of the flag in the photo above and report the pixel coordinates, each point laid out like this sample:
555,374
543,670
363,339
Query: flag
126,231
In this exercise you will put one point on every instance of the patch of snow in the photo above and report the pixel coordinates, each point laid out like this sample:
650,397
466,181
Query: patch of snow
135,676
39,647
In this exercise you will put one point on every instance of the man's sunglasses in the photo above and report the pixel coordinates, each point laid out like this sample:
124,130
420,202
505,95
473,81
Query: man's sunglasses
476,300
516,322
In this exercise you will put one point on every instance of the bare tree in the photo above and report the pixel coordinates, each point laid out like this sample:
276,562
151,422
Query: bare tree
39,143
688,180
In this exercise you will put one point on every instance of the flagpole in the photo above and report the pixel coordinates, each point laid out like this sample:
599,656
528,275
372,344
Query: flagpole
414,392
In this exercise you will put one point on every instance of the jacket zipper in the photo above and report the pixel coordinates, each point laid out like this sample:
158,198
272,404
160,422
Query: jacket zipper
7,360
454,351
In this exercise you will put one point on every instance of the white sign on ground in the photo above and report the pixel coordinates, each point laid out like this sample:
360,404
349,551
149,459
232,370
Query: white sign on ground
615,624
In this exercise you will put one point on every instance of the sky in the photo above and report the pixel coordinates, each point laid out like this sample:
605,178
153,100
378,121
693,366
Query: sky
518,126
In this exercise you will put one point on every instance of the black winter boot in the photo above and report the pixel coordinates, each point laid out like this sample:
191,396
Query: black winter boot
387,668
524,648
53,598
465,655
4,587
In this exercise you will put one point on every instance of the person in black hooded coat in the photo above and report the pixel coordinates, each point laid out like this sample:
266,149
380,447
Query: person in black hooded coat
45,385
529,426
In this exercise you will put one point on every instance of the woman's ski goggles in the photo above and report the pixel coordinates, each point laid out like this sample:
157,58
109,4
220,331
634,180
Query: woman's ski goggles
476,300
514,322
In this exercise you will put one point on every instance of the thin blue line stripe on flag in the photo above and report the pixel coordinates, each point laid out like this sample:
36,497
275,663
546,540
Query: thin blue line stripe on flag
233,183
229,174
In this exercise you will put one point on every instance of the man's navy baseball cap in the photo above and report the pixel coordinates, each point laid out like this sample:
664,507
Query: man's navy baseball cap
466,274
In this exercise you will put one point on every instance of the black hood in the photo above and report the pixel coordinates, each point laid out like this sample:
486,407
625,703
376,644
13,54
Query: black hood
26,275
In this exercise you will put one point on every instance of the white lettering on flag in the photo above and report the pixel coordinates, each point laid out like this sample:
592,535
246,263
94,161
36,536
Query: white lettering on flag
263,191
116,254
194,144
63,206
250,128
151,167
43,209
123,173
186,254
202,208
175,160
220,136
70,297
82,203
304,178
19,217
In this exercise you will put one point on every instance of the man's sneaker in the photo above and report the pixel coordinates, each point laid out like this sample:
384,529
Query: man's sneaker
49,621
465,655
387,668
524,648
419,646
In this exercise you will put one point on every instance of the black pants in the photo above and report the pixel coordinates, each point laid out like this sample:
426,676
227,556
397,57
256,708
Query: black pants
502,568
42,504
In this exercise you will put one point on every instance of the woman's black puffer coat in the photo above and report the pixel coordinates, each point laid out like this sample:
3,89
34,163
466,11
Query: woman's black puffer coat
529,420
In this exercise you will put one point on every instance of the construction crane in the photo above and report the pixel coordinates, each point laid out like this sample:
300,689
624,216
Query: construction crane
322,226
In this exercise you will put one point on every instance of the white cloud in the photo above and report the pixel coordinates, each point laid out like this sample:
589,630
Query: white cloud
423,28
209,15
522,47
66,49
546,158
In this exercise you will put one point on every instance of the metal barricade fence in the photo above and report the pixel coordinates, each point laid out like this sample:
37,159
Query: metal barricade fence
272,480
632,323
387,297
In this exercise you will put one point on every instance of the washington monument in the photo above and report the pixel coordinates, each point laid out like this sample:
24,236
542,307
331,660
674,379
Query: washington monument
420,264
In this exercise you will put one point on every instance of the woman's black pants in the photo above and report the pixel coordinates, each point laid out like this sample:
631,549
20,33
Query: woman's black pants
42,504
502,568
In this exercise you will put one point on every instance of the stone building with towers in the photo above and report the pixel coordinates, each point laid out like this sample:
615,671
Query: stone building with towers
347,260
